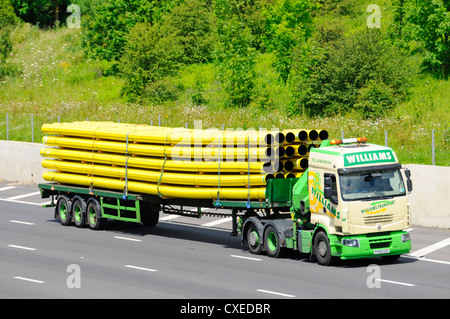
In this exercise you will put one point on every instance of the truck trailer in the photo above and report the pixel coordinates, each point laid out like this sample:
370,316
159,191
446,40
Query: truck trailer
350,202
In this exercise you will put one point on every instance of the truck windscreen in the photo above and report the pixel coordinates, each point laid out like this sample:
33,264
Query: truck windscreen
370,185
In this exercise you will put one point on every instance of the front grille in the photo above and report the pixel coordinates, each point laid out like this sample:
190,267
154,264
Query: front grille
378,219
380,243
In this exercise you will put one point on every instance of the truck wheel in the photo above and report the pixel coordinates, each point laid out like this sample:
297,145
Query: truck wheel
322,249
253,240
63,210
272,242
78,213
93,212
150,215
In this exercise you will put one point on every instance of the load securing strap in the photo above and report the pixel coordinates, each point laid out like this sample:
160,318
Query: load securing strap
125,191
164,164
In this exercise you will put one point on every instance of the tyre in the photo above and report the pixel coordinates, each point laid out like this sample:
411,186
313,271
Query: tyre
93,213
63,210
253,241
78,212
272,242
150,215
322,249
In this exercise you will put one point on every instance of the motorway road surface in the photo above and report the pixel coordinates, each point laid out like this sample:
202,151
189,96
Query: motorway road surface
191,258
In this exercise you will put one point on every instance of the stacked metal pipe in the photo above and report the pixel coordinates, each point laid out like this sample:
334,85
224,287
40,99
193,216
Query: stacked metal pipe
171,162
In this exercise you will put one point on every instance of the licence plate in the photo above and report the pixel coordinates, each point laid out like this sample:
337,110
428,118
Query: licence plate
381,251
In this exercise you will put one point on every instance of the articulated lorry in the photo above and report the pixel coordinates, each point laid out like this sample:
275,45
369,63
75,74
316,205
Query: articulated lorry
350,202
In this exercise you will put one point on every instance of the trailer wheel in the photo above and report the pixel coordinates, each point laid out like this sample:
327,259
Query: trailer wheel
253,240
322,249
272,242
93,212
63,210
78,212
150,215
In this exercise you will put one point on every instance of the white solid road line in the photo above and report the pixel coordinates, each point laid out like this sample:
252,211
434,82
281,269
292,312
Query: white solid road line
23,195
217,222
429,249
20,222
275,293
6,188
19,202
428,259
29,279
22,247
244,257
397,282
169,217
140,268
127,238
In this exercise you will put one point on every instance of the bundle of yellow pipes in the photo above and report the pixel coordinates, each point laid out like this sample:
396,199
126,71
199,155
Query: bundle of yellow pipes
173,162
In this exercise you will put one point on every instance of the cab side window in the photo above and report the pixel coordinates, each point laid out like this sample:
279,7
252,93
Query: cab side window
330,181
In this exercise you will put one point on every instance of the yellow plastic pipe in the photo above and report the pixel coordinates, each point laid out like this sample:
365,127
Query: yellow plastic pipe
301,163
153,163
155,176
153,189
175,152
154,134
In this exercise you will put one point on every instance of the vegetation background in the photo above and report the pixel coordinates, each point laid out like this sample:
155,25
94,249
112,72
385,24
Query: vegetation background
343,65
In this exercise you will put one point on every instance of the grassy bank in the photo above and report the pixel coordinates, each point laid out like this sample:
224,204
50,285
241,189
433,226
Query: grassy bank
54,80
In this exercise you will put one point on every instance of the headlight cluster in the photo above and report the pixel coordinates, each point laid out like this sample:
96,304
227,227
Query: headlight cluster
350,242
406,237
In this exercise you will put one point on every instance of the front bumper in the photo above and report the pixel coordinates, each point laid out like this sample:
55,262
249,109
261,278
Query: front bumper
371,245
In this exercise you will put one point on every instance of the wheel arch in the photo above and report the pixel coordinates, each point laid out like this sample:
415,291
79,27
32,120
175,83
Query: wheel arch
258,224
283,227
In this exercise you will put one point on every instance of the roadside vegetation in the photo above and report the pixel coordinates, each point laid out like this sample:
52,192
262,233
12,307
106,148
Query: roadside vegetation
240,64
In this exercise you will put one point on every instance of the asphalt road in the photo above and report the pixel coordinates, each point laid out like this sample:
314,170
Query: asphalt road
190,258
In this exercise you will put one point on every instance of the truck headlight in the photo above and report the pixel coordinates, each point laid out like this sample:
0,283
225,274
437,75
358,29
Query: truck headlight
350,242
406,237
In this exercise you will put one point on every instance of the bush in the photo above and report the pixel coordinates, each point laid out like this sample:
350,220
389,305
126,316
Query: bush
44,13
193,26
375,100
160,91
7,20
332,74
150,55
106,31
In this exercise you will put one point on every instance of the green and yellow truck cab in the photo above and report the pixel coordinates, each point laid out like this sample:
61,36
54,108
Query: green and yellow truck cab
351,203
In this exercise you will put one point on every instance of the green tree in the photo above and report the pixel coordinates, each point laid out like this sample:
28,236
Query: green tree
430,24
44,13
334,76
7,20
193,25
185,35
150,55
287,24
235,52
105,33
235,59
7,16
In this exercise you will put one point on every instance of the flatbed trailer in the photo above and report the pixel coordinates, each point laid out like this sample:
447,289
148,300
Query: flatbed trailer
91,206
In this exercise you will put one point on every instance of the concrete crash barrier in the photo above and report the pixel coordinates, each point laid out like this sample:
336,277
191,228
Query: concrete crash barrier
430,198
